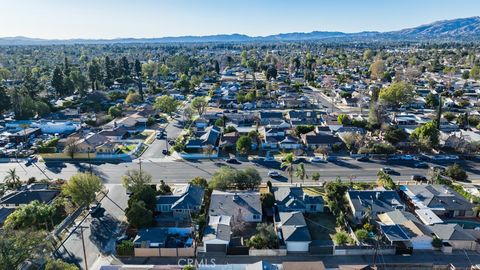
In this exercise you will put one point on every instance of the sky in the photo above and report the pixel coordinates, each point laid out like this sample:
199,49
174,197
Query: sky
64,19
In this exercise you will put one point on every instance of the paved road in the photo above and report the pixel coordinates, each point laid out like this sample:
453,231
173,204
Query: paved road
458,258
183,171
99,231
173,130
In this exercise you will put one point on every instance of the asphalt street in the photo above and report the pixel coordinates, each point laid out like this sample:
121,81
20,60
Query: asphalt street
182,171
99,230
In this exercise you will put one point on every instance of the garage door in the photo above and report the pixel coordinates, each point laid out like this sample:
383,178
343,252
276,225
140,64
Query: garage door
216,248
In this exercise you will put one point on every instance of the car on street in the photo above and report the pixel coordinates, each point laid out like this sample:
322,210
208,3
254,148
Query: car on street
317,159
420,165
232,161
273,174
171,142
363,158
438,168
94,207
269,159
300,160
387,170
331,158
159,136
417,177
165,152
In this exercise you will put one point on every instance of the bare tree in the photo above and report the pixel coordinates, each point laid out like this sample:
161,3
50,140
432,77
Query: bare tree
71,147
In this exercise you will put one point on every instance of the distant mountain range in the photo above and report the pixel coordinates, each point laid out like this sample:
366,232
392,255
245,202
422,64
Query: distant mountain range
464,29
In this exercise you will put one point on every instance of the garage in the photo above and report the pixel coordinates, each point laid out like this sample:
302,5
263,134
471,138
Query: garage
216,248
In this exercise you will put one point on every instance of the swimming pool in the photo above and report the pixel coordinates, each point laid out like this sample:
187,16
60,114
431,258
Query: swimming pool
466,224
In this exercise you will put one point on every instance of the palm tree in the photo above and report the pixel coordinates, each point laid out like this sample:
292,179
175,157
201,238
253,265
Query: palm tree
301,173
288,163
12,179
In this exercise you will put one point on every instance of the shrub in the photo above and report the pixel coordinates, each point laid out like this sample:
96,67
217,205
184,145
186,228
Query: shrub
456,172
125,248
341,238
361,235
437,242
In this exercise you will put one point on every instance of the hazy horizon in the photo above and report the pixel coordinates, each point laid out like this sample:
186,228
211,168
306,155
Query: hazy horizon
110,19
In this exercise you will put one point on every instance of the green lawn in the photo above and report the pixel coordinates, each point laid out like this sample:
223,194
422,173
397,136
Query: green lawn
320,225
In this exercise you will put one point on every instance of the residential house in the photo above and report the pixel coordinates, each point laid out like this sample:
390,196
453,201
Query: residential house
23,197
313,140
184,201
294,231
303,117
217,234
242,206
291,199
24,135
455,235
441,199
205,139
419,234
91,142
373,201
267,117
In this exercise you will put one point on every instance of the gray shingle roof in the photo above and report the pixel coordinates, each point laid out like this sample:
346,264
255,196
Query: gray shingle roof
451,232
294,198
28,196
394,233
377,200
296,234
439,196
226,203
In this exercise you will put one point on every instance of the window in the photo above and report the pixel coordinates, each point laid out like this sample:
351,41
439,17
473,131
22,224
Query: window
313,207
461,213
256,217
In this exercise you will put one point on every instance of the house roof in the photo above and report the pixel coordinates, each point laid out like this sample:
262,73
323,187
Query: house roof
318,265
189,197
294,198
28,196
377,200
451,232
218,228
436,197
232,204
319,138
153,235
427,216
4,213
261,265
292,219
394,233
296,233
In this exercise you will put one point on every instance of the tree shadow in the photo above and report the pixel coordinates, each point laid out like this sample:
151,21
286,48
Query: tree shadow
103,230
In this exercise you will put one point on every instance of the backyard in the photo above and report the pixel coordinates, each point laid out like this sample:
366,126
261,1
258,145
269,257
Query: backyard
321,226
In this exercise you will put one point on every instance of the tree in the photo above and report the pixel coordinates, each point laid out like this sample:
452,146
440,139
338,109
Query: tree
71,147
343,119
265,238
133,98
475,72
341,238
133,180
33,215
138,215
244,144
166,104
5,101
200,104
187,113
12,180
395,135
268,200
145,194
301,173
82,188
164,189
361,235
17,246
385,180
57,81
249,179
115,111
227,178
432,100
288,163
456,172
397,94
437,242
199,181
59,265
377,69
367,54
315,176
94,74
426,136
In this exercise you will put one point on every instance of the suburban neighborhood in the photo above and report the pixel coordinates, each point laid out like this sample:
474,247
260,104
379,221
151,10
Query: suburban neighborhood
318,150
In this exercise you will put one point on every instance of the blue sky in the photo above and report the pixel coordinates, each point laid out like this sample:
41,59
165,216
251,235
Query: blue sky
150,18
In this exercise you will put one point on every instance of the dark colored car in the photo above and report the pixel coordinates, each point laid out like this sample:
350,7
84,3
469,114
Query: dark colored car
363,159
421,165
387,170
232,161
165,152
417,177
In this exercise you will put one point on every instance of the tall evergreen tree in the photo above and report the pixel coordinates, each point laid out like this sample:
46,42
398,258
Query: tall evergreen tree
57,81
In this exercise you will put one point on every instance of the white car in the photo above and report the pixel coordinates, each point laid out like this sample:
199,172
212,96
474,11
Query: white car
316,159
273,174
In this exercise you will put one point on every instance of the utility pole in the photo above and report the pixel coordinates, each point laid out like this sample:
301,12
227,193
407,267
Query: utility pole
84,252
140,165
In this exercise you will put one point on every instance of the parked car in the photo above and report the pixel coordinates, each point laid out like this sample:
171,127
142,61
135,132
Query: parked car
417,177
94,207
331,158
420,165
273,174
300,160
363,158
165,152
171,142
438,168
232,161
269,158
317,159
387,170
159,135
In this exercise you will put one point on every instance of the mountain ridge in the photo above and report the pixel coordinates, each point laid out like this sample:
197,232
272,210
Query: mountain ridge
461,29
